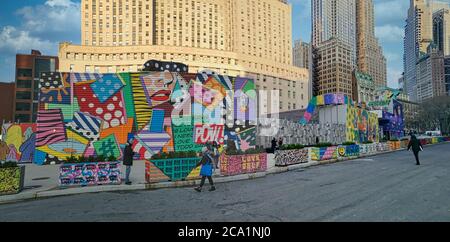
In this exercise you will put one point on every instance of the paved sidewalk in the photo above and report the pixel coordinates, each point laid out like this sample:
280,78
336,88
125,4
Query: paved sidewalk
42,181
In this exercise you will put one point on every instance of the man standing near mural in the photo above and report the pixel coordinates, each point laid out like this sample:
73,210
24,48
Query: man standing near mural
274,145
414,143
206,170
128,161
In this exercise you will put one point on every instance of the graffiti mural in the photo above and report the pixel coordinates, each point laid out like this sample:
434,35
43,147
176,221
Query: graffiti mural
362,125
91,114
291,157
90,174
242,164
324,153
348,150
367,149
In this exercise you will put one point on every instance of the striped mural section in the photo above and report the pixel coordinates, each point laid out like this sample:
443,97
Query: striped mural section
128,97
50,127
142,108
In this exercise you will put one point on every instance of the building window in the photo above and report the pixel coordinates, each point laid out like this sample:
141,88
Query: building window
23,83
23,106
24,73
23,95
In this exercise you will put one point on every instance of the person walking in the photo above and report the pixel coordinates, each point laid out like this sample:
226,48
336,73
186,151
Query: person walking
414,143
274,145
128,161
280,142
207,169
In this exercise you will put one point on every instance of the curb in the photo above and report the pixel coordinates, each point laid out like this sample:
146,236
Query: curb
93,189
17,197
153,186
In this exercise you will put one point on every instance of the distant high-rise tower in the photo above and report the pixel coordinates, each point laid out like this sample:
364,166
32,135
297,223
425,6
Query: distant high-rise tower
301,53
333,46
334,19
370,58
418,37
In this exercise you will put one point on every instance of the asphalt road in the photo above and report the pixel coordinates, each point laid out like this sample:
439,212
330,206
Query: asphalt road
387,187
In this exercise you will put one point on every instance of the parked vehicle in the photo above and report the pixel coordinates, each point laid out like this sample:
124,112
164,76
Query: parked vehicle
433,133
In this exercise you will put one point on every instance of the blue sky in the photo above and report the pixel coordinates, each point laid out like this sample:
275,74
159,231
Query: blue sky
42,24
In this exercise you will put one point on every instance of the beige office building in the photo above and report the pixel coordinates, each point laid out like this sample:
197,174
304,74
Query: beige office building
334,71
333,46
370,58
233,37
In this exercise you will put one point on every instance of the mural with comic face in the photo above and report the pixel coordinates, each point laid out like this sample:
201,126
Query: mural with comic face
85,114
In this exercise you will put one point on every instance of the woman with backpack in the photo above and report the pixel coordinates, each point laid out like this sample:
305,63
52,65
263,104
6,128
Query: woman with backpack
207,169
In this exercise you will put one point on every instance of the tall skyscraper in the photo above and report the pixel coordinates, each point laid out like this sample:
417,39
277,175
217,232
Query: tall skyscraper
441,30
334,46
418,37
334,19
370,58
232,37
301,53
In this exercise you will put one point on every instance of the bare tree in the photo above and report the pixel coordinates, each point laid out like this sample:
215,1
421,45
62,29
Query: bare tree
435,114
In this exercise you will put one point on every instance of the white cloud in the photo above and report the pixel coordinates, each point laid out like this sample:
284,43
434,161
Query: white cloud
393,57
393,75
61,3
390,33
41,27
13,40
58,20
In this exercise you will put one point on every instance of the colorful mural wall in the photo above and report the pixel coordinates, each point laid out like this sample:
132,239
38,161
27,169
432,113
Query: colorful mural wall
104,173
291,157
324,153
393,123
18,142
321,100
361,125
242,164
85,114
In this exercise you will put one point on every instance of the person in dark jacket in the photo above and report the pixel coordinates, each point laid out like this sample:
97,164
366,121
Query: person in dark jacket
414,143
274,145
280,143
207,169
128,161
